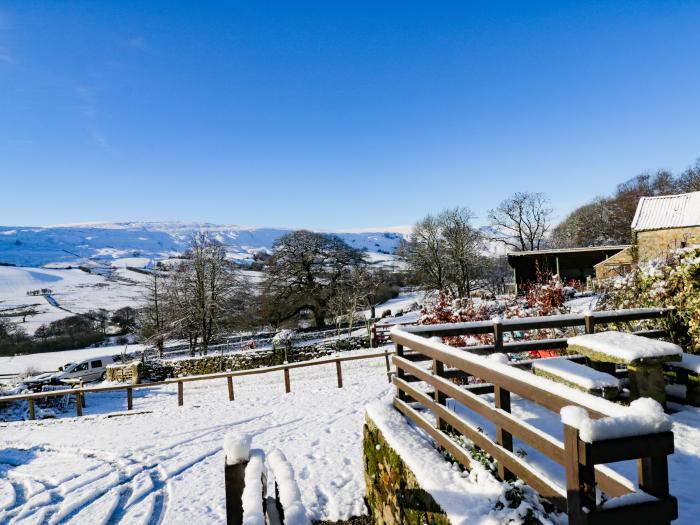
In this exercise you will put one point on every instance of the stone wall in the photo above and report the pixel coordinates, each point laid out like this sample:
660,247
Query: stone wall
393,493
125,373
215,363
654,243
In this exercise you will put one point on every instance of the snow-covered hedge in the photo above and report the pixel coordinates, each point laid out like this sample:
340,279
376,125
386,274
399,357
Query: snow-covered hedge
670,281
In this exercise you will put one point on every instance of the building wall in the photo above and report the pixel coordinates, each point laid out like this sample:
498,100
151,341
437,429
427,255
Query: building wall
654,243
618,264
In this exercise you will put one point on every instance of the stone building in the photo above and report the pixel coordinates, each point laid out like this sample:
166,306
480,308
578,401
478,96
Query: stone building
665,223
660,224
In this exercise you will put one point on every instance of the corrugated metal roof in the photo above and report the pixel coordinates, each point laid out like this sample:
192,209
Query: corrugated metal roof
555,251
668,211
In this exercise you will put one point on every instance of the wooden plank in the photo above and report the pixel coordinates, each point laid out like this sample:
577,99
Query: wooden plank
609,481
440,397
78,403
180,394
388,366
234,483
339,373
287,383
580,480
652,513
186,379
589,322
542,485
398,351
32,413
503,437
497,335
229,385
515,383
622,449
652,472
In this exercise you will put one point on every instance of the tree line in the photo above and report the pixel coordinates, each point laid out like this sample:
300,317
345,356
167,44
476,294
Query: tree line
309,277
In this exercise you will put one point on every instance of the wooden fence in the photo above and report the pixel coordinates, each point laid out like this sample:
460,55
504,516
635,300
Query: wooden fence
583,462
80,393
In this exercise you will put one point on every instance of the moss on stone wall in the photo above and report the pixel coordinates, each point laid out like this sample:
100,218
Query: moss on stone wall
393,493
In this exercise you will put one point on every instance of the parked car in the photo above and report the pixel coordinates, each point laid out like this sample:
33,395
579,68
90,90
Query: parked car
93,369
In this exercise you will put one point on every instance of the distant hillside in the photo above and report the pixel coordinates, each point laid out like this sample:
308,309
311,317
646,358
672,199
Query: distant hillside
109,242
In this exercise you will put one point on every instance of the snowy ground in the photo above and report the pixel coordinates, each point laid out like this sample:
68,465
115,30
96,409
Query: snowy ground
166,465
50,361
73,291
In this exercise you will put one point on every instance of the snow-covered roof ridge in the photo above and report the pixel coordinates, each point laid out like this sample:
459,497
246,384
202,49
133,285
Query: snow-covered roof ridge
667,211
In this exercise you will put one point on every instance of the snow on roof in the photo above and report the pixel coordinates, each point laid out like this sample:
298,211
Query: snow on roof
667,211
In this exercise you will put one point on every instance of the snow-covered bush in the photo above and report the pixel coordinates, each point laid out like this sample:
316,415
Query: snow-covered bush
671,281
283,339
544,297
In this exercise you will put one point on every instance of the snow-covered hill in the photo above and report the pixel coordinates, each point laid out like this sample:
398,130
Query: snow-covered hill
109,242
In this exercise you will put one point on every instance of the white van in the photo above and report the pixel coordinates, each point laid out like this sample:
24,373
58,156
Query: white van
93,369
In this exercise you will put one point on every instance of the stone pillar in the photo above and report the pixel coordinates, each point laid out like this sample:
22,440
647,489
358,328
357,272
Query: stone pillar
647,380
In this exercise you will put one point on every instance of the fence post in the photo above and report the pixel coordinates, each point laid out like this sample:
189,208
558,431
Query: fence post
440,398
129,398
287,385
234,483
78,403
503,438
497,335
32,414
388,365
589,322
339,372
653,475
180,394
580,480
400,373
229,383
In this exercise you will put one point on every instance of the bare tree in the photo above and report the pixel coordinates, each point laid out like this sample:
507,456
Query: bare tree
462,246
424,253
522,221
303,273
444,252
211,284
151,317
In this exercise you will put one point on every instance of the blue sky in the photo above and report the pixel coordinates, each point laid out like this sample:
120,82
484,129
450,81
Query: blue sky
336,114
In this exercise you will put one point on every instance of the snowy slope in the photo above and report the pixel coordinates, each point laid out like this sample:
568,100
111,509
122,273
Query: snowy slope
106,242
167,465
72,291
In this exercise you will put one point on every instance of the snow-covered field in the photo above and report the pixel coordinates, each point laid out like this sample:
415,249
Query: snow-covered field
166,465
73,291
107,242
50,361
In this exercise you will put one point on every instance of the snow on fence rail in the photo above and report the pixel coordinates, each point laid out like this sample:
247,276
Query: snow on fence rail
583,462
80,393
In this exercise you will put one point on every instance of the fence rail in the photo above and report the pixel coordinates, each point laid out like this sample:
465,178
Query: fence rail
584,463
80,393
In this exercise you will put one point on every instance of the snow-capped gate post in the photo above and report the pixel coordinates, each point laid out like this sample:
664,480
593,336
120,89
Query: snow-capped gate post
237,455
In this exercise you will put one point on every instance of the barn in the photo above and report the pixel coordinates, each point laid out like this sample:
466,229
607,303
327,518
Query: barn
571,264
665,223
